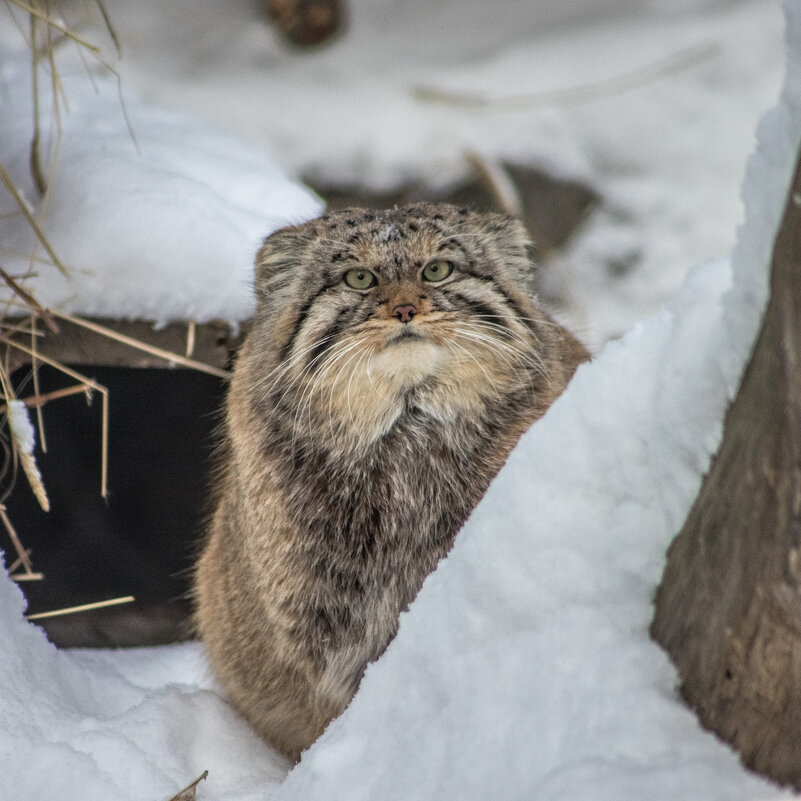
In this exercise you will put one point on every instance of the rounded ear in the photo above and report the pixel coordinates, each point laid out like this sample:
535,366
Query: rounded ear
512,245
279,257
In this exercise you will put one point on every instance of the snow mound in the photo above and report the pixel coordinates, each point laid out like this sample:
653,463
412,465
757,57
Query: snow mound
155,215
136,725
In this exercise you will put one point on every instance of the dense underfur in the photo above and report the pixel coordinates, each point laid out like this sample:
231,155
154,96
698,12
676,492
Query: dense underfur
363,425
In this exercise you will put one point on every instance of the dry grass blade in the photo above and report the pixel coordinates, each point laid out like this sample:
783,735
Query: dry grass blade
18,562
35,12
30,301
22,440
71,610
20,329
167,355
26,576
22,436
109,27
36,154
37,399
675,62
22,555
37,391
40,235
189,792
191,328
90,385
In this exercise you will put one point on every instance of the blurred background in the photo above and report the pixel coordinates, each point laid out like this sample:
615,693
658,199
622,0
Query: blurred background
617,130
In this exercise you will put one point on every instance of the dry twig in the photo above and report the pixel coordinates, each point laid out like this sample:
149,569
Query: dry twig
40,234
36,400
167,355
189,792
30,301
35,12
22,555
26,576
71,610
18,562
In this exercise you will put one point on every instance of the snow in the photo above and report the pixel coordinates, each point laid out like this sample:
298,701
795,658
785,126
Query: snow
524,668
117,725
149,226
20,423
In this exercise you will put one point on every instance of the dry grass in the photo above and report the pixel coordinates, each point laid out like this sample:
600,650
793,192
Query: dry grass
671,64
71,610
189,793
45,30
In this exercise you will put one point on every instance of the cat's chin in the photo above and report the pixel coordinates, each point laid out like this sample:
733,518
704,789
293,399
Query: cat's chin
408,359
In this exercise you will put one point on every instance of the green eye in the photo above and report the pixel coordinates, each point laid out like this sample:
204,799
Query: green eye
437,270
359,279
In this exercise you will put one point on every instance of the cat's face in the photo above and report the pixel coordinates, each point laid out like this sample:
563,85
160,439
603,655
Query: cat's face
358,309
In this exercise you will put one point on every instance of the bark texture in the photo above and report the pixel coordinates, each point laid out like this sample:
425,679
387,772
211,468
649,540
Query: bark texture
728,610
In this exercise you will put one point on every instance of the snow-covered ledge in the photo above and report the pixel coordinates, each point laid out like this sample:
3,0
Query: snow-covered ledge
155,215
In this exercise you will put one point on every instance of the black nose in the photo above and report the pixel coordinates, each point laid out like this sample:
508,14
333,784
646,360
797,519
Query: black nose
404,313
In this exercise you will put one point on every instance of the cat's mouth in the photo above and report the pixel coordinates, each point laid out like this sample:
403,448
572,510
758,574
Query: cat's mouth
407,334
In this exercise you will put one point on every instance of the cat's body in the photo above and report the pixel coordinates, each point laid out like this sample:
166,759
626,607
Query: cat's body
393,363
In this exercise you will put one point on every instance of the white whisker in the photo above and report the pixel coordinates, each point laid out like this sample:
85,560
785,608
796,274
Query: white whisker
454,344
333,387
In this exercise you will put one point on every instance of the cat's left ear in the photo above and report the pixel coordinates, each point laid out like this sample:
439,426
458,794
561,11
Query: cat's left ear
278,259
512,244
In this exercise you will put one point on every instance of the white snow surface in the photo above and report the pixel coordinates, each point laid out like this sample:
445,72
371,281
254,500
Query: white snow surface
154,214
524,668
19,422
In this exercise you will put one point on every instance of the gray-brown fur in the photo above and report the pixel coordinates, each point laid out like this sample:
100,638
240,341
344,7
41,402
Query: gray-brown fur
351,461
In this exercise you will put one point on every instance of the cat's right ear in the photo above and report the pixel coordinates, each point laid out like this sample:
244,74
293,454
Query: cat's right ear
278,259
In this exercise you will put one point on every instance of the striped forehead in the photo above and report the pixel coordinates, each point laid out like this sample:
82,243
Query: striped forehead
390,250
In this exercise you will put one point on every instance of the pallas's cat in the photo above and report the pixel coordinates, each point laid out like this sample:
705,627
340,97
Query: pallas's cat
394,361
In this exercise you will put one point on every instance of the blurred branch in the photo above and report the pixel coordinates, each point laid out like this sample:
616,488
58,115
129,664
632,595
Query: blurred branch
573,95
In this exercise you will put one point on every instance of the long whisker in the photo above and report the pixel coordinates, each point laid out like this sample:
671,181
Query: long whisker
368,372
454,344
523,343
280,370
333,387
347,396
512,356
333,356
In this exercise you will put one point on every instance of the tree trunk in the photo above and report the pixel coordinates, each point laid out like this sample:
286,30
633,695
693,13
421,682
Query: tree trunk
728,610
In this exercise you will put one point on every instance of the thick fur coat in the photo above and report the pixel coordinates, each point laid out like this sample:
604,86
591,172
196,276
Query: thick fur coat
394,361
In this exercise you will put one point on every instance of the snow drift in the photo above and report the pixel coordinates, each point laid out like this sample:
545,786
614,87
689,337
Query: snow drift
155,215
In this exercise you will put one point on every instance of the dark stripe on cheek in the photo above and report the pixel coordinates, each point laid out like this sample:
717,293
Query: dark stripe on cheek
348,317
286,349
327,340
481,308
521,314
